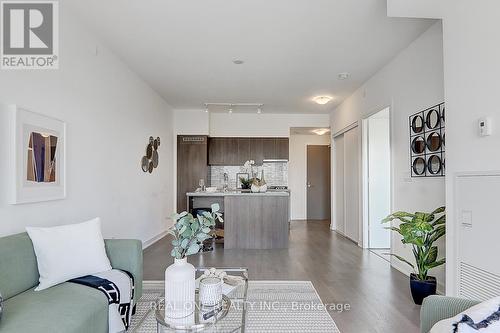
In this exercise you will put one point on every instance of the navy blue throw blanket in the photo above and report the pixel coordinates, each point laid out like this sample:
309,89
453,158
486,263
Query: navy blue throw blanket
109,283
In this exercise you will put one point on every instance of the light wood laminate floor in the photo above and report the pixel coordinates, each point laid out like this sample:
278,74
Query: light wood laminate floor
378,295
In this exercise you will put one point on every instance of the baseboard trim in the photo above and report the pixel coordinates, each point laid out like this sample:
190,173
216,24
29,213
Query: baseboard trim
153,240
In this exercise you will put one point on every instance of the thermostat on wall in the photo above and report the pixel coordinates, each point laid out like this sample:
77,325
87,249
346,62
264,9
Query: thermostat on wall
485,126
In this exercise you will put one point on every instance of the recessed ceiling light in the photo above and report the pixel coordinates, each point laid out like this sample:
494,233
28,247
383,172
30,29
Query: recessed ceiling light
343,76
230,110
322,100
238,62
321,131
259,110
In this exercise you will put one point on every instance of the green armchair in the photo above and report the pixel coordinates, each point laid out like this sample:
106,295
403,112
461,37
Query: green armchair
437,308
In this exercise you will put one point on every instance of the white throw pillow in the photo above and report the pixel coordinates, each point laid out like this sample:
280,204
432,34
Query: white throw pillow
486,313
69,251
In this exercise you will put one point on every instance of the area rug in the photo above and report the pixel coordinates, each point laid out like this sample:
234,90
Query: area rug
275,306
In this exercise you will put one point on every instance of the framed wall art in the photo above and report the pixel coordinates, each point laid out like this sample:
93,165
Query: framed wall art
427,142
38,156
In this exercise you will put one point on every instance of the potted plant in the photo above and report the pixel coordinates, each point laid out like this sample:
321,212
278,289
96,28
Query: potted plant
421,230
189,232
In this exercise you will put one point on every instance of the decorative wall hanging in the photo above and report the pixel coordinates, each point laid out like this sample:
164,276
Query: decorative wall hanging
151,159
37,158
427,142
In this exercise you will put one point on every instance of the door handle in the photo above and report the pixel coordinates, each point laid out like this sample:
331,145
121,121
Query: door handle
309,184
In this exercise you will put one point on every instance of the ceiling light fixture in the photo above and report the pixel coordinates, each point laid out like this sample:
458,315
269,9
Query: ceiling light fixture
322,100
343,76
321,131
206,108
238,62
259,110
230,109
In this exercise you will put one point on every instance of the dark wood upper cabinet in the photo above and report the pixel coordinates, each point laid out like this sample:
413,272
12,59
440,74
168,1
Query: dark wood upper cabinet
230,150
282,148
216,151
236,151
256,150
243,150
269,148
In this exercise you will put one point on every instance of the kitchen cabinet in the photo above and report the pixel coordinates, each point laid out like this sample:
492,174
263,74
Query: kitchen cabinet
282,148
216,151
243,150
235,151
256,150
230,151
269,148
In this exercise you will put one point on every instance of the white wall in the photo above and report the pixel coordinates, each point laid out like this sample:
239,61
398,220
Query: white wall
411,82
191,122
472,72
110,114
265,124
297,171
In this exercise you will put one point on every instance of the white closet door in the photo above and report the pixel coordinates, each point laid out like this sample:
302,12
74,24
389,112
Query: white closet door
351,183
338,183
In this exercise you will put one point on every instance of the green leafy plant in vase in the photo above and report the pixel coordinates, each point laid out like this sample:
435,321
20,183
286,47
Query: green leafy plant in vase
189,233
421,230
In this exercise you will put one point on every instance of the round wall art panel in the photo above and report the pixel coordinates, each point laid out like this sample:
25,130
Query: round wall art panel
417,124
434,164
419,166
432,119
418,145
434,141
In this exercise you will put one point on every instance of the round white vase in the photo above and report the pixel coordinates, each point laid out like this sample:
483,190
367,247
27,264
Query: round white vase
255,188
263,188
179,289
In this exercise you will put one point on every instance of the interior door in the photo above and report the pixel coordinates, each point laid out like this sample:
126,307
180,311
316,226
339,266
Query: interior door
351,183
338,183
318,182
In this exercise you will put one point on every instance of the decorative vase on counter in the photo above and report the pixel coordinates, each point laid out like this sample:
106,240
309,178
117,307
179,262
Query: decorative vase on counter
263,184
255,188
179,289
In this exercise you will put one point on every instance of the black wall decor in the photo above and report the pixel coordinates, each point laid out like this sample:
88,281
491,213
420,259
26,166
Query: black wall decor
427,142
150,161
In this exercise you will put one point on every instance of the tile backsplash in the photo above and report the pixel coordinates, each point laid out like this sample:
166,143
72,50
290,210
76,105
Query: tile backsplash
275,174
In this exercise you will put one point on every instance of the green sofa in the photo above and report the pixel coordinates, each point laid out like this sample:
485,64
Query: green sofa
67,307
437,308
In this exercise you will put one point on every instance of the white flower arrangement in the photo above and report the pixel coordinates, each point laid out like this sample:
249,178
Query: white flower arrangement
249,167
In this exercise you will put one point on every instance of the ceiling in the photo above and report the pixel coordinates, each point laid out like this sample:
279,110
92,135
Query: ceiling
293,50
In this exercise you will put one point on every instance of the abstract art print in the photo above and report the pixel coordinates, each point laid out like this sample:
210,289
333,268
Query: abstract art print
38,157
41,167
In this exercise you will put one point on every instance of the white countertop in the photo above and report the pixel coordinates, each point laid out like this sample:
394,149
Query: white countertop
238,193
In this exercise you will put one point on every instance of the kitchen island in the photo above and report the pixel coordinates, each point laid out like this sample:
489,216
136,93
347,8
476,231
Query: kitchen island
251,220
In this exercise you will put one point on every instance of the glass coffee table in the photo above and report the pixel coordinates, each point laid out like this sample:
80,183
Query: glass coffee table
228,316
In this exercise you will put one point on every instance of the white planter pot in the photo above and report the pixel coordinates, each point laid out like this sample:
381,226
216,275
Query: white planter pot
263,188
179,289
255,188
